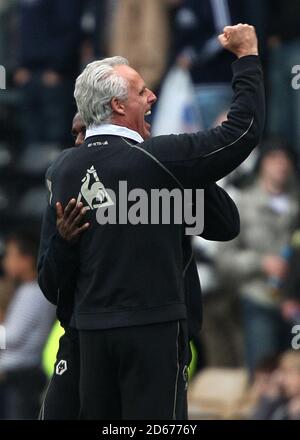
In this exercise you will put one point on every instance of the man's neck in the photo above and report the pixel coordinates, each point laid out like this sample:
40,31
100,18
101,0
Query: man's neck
114,130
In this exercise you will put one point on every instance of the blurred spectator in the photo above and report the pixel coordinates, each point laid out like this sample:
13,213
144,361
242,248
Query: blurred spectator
48,61
255,263
198,25
27,323
280,397
291,305
221,334
284,48
262,381
6,292
141,34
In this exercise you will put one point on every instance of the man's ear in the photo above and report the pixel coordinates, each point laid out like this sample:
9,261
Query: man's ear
117,106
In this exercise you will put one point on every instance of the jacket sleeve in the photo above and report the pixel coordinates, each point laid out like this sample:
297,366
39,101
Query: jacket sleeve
198,159
57,259
57,264
221,216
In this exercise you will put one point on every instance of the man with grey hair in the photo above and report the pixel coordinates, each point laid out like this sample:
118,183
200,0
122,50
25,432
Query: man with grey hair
130,308
102,89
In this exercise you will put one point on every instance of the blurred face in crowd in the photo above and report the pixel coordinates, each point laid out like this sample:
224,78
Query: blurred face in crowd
290,375
78,130
132,112
16,264
276,167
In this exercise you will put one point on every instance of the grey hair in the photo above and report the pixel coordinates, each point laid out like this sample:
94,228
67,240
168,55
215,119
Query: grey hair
97,85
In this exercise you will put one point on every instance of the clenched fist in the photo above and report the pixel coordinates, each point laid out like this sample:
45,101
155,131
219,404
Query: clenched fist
240,40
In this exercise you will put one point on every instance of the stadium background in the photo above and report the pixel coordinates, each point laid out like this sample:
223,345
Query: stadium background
243,366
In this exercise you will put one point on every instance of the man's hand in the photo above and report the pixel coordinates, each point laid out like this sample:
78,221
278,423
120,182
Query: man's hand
69,221
241,40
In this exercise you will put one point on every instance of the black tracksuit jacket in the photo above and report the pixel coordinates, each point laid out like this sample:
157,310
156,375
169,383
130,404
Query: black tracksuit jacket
58,259
134,274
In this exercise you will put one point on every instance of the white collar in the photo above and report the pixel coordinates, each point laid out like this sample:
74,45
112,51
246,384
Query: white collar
115,130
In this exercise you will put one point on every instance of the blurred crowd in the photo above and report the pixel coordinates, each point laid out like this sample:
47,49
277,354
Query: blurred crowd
251,286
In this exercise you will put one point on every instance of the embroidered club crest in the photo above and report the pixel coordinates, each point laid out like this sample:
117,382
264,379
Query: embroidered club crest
93,191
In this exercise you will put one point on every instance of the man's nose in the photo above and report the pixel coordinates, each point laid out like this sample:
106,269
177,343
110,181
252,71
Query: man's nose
152,97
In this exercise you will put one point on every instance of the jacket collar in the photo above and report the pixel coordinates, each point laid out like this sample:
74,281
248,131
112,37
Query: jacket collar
115,130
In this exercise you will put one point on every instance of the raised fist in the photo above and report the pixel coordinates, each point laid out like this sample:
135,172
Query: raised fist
240,40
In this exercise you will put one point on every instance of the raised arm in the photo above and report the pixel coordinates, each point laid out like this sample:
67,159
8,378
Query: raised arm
205,157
